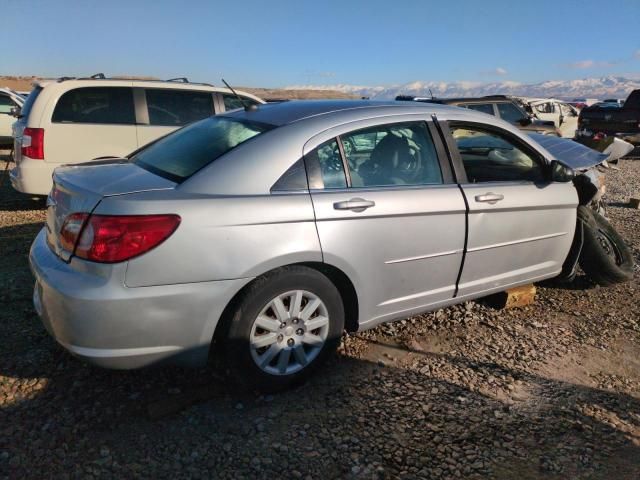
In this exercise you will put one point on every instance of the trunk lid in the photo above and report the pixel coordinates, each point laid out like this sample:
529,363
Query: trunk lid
79,188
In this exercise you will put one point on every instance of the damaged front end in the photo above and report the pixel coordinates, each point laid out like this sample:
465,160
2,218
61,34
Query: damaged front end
589,166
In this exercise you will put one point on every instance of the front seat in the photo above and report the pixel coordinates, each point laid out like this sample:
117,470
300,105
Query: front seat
386,157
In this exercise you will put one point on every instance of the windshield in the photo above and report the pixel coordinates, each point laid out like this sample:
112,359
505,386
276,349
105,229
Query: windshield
182,153
31,99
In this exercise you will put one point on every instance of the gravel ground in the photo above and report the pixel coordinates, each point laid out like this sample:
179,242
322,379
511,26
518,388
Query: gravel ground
547,391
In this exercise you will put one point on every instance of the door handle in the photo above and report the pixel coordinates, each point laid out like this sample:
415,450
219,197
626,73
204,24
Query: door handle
490,197
355,204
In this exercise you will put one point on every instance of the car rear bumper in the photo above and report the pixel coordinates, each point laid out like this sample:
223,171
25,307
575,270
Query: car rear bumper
88,309
32,176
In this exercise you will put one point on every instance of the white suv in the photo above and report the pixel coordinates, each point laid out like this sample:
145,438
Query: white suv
73,120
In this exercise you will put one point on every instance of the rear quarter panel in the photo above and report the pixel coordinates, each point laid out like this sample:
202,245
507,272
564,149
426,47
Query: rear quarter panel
220,237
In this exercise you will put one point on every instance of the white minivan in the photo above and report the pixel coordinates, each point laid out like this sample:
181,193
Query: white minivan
73,120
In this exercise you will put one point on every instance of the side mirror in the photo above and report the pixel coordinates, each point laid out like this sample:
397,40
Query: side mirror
525,121
15,112
560,172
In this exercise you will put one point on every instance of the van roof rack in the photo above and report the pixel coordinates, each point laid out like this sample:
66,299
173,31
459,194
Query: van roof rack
102,76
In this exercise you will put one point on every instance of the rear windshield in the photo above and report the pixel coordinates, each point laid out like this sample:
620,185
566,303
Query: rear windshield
31,99
182,153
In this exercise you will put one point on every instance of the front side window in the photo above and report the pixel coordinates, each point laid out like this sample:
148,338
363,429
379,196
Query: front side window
177,107
394,154
108,105
231,102
482,107
182,153
510,113
488,156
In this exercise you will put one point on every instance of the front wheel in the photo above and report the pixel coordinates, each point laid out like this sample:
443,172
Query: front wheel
605,257
286,324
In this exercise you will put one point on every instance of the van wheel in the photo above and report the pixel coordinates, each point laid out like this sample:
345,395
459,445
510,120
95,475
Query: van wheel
605,257
286,324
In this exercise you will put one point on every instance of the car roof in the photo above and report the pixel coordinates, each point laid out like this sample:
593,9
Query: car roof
67,83
289,112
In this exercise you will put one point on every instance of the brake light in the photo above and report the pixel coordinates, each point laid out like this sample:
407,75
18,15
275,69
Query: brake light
33,143
110,239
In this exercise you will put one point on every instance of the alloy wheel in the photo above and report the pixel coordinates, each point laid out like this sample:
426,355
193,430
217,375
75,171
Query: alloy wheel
289,332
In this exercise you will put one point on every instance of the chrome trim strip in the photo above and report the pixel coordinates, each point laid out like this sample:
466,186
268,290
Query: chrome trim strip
421,257
525,240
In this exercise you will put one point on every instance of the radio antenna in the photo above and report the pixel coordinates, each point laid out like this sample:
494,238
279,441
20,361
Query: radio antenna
247,108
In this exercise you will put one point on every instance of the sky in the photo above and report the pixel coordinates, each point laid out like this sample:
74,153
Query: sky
275,43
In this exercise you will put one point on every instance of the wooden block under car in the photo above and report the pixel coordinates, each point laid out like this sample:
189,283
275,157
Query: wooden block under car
513,298
634,203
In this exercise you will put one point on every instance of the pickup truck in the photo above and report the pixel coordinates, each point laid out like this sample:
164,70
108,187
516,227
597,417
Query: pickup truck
619,121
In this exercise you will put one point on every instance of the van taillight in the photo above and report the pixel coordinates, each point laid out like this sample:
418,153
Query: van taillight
115,238
33,143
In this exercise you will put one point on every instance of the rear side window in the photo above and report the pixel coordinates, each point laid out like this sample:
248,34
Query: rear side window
107,105
510,113
182,153
31,99
482,107
231,102
177,107
326,166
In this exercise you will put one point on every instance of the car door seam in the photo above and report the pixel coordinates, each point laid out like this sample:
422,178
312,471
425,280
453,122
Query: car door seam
466,240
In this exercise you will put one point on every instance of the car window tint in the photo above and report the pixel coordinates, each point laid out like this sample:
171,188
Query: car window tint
177,107
482,107
510,113
326,167
394,154
6,104
112,105
491,157
231,102
182,153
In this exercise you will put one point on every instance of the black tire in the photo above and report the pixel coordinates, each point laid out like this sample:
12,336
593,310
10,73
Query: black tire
605,257
237,347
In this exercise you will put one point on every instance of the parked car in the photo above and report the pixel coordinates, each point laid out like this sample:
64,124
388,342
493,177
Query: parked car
580,103
9,100
76,120
613,120
259,235
563,115
500,106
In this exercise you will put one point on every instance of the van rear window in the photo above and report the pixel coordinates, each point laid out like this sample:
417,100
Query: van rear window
183,152
102,105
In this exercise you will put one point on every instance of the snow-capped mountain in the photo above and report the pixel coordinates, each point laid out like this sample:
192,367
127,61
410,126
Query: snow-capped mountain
603,87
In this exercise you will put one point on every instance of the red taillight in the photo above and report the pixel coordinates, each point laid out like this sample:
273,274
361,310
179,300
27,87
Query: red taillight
110,239
33,143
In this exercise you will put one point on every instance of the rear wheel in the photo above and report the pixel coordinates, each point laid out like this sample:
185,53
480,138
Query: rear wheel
285,326
605,257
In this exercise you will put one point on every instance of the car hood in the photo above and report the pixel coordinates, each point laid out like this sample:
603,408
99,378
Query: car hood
571,153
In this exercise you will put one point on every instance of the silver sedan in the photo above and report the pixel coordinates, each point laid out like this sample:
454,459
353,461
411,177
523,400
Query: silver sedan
262,234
